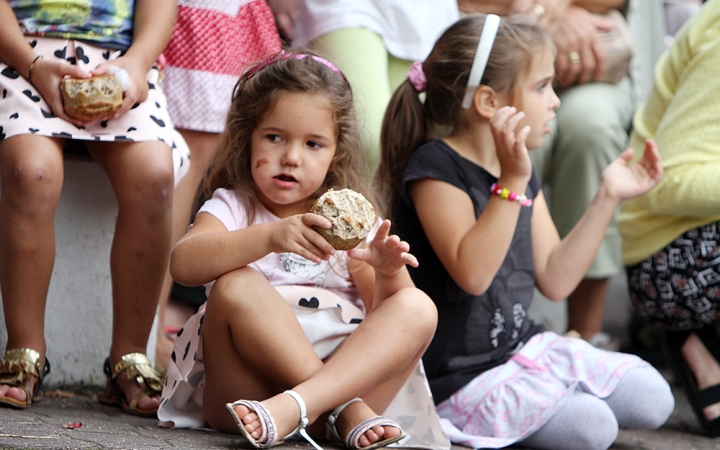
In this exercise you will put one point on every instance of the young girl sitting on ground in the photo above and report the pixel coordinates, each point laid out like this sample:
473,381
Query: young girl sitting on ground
471,207
293,327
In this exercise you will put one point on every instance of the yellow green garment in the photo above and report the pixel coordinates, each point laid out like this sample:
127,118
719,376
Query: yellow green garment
106,23
682,114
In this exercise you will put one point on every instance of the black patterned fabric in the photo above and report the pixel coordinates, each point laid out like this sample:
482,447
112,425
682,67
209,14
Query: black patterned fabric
678,287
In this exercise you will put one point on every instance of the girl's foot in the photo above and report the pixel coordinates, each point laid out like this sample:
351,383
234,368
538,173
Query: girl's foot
705,369
283,410
356,413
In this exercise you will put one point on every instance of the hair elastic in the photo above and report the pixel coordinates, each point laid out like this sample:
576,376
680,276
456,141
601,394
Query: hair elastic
417,77
482,54
510,195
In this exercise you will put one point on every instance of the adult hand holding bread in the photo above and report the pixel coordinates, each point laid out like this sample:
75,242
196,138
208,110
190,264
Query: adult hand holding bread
46,76
137,88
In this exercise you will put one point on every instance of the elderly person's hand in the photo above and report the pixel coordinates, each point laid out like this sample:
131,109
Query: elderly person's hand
581,55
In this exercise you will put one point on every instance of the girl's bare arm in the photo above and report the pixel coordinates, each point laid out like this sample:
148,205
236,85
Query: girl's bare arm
209,250
471,250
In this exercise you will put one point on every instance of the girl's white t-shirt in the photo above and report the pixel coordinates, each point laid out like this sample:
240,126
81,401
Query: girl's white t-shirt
408,28
284,268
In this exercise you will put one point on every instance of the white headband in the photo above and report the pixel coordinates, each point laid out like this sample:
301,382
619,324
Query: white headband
485,44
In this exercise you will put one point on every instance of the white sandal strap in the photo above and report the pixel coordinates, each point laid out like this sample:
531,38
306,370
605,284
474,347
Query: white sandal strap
353,438
267,439
303,419
332,432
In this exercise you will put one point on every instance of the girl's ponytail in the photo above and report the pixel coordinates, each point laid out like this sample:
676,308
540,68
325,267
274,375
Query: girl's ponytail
443,80
404,129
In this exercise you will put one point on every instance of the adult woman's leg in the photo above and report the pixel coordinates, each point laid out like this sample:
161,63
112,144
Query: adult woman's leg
141,175
31,168
254,348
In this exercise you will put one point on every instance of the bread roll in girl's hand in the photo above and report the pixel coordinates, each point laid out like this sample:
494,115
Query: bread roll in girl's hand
92,98
352,217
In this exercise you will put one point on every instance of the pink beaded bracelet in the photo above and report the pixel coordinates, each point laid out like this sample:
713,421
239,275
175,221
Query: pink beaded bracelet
510,195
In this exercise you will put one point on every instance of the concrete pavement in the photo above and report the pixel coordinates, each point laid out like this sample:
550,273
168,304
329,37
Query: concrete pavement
75,420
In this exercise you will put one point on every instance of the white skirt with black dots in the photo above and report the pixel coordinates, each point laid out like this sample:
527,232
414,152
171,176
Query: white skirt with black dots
327,320
24,111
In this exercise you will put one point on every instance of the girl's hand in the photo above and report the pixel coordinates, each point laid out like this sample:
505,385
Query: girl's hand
387,254
295,234
624,182
510,145
137,92
46,77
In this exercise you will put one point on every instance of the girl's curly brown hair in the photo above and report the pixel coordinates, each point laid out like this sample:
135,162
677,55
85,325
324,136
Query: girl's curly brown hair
256,93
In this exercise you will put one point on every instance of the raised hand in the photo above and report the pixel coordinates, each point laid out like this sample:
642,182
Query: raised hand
626,181
510,145
296,234
386,253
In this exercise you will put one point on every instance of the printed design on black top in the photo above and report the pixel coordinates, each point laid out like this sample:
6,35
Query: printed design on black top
519,315
498,323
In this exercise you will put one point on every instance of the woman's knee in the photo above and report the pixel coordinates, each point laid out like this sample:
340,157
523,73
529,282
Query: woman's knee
144,177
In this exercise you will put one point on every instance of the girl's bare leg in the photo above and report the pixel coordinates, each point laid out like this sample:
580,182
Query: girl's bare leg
141,175
31,168
202,147
255,348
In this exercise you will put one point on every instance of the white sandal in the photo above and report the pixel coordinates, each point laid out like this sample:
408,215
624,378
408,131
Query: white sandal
352,439
269,437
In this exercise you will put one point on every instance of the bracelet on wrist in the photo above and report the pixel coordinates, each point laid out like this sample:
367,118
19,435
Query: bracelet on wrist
510,195
32,66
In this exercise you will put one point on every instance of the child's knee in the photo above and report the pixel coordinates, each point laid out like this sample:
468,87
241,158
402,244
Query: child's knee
420,310
33,177
236,287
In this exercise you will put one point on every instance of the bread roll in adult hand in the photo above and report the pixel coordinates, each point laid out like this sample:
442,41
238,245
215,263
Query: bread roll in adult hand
89,99
352,217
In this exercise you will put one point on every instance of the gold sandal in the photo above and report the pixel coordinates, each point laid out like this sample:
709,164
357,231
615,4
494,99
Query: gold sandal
16,367
136,366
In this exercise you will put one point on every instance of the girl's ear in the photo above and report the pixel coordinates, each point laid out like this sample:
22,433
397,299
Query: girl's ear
486,101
